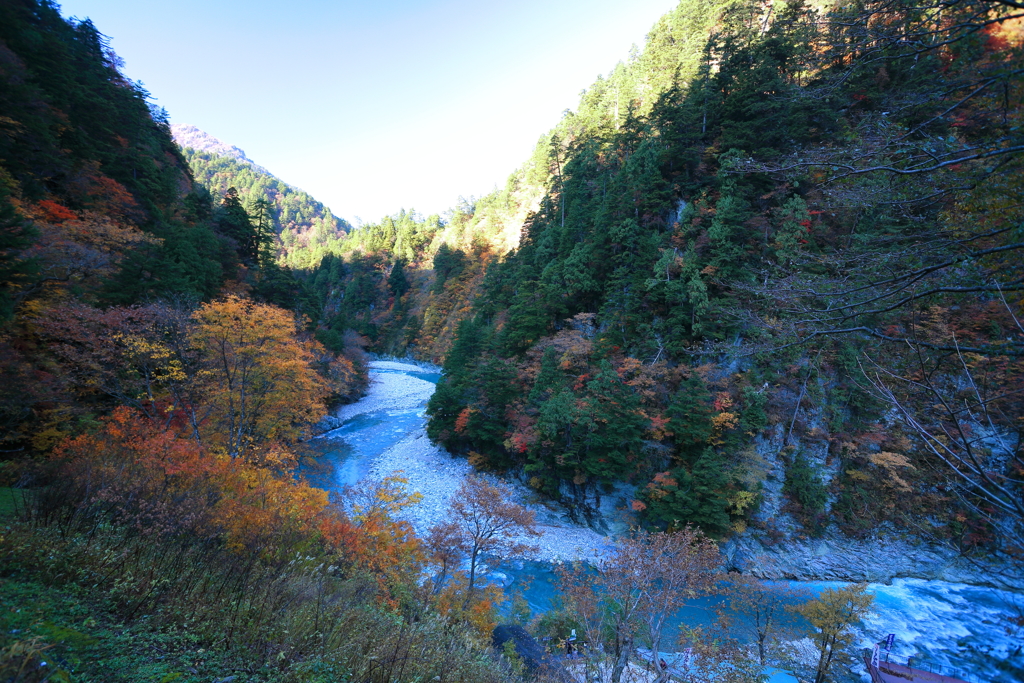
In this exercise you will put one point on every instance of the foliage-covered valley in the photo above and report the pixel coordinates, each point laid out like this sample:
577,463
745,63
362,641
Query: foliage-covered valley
305,228
764,281
159,381
767,274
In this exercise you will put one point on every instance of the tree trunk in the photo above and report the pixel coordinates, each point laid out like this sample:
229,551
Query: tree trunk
625,648
472,577
472,573
824,661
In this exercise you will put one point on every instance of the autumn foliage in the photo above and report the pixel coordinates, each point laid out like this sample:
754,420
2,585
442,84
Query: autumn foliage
157,378
648,578
134,472
255,375
137,475
235,375
252,560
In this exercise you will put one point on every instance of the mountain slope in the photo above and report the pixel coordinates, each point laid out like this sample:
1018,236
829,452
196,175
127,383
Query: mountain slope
305,227
748,264
151,408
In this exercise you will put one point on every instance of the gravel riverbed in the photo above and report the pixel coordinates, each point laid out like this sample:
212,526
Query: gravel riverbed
437,475
931,618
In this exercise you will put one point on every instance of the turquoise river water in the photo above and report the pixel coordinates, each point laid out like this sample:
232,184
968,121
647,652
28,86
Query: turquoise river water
980,630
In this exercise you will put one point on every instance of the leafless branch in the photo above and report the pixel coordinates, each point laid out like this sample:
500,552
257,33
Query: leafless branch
1014,348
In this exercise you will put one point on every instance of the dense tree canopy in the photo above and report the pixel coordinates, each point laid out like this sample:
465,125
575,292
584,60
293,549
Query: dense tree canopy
298,229
764,279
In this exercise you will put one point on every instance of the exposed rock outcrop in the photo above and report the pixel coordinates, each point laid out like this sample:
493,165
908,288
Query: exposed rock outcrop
835,557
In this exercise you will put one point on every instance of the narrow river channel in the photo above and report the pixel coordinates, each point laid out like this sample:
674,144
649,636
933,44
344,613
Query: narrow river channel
980,630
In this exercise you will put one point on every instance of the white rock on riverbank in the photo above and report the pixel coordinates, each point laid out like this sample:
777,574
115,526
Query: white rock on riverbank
437,475
879,559
390,391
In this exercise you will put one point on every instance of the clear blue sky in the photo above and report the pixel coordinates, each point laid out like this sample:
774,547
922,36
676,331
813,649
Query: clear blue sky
378,105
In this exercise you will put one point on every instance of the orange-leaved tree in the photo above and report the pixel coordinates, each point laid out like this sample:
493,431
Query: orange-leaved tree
647,579
135,473
383,545
259,384
268,513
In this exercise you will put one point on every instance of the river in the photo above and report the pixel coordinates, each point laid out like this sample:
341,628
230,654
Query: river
948,624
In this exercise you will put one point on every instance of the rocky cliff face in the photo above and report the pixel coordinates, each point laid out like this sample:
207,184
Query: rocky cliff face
835,557
786,553
781,548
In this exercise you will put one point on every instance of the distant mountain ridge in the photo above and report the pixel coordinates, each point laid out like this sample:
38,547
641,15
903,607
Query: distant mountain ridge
187,135
306,228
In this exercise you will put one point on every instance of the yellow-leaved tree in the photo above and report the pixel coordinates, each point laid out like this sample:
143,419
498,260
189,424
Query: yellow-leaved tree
834,614
257,378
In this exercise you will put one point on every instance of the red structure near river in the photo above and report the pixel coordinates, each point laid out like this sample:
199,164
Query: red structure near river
891,672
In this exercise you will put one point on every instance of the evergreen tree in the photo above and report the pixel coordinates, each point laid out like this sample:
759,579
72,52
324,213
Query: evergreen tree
234,222
549,380
448,264
616,427
15,235
689,416
397,282
694,495
261,245
304,224
455,388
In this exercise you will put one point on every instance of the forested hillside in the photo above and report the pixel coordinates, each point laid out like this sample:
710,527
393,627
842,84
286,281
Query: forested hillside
765,282
305,229
190,137
159,382
767,273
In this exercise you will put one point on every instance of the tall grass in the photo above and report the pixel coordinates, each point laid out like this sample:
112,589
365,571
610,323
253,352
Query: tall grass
287,619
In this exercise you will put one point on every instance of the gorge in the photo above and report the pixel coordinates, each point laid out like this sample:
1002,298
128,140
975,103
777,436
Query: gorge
759,292
964,623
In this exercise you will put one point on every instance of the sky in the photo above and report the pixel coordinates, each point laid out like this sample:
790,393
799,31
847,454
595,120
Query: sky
374,106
